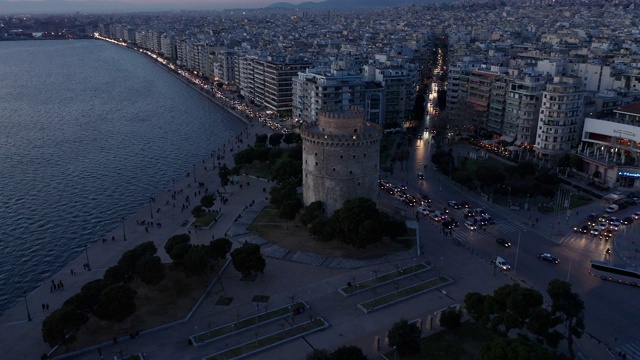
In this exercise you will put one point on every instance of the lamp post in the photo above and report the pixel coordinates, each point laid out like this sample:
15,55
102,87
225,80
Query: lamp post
124,234
194,173
26,304
569,271
515,265
150,208
86,253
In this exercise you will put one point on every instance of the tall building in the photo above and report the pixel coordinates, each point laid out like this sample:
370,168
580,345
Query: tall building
481,83
340,158
561,119
522,108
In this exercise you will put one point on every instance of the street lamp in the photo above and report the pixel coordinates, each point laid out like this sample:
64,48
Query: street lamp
124,235
194,173
515,265
24,294
86,252
569,271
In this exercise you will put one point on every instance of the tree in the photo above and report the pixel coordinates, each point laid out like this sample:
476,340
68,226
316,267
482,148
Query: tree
245,156
289,209
274,155
177,247
275,139
285,192
150,270
287,170
196,260
247,259
261,140
518,348
262,154
318,354
295,153
348,353
392,227
356,223
311,212
116,303
87,299
235,171
405,337
568,307
223,174
219,248
57,326
117,275
129,260
291,138
208,200
450,318
475,303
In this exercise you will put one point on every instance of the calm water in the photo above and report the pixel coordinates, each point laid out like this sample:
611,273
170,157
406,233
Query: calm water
88,131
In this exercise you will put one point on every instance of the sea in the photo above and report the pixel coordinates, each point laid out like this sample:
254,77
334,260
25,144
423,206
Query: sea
88,132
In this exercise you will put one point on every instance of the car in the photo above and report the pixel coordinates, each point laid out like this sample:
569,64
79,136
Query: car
470,225
596,230
424,197
606,234
614,219
436,216
421,176
501,263
582,229
612,208
480,221
454,204
636,215
604,217
465,204
410,200
467,213
403,187
627,220
479,212
400,196
548,257
422,210
489,220
503,242
629,202
449,224
594,216
614,226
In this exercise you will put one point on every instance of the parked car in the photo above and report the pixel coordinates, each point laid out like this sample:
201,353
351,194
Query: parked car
503,242
548,257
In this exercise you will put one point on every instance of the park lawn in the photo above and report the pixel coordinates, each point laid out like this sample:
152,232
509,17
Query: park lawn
383,278
257,169
463,343
207,220
403,293
156,305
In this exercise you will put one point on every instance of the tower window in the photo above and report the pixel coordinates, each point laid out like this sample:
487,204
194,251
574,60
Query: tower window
334,169
341,156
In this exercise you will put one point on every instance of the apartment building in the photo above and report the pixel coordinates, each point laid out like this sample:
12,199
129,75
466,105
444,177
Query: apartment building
522,108
561,119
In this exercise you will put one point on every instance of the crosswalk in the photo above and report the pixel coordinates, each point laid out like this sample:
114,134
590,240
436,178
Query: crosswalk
491,231
632,350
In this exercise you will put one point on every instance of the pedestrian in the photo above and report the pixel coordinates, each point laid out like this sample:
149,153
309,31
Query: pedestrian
146,229
115,340
61,284
536,220
113,239
47,306
44,307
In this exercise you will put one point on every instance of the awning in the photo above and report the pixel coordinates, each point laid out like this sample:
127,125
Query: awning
506,138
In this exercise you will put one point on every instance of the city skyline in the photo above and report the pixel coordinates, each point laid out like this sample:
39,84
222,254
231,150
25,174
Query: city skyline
62,6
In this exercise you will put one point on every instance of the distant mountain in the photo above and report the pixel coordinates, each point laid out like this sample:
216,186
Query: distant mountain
351,4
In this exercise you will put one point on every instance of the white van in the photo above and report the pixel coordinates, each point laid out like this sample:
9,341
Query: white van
502,263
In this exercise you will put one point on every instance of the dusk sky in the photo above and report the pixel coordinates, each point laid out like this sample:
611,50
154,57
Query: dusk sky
47,6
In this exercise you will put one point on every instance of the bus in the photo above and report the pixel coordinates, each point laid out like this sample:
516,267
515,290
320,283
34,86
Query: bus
620,274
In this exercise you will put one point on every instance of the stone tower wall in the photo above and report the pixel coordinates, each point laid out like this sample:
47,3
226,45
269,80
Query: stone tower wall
339,163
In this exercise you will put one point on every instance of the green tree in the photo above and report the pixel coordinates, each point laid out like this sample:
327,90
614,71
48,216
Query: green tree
568,307
476,305
292,138
61,323
247,259
219,248
196,261
509,349
117,275
275,154
405,337
235,171
261,140
198,211
177,247
295,153
208,200
289,209
262,154
223,174
244,157
275,139
318,354
348,353
451,318
489,176
150,270
116,303
356,223
86,300
285,192
312,212
391,227
287,170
